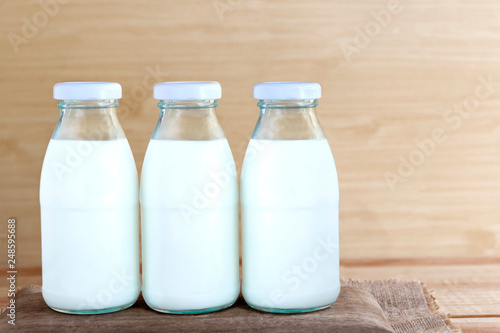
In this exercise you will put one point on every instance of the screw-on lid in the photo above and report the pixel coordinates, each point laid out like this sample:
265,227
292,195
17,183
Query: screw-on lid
287,90
87,90
187,90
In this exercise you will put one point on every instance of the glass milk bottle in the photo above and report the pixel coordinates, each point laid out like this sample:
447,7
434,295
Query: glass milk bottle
189,205
89,205
289,204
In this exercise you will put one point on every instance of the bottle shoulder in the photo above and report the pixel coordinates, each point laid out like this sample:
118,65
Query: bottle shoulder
86,173
177,172
285,173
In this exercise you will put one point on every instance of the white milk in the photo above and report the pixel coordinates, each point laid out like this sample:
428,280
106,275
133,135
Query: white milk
289,204
90,226
189,205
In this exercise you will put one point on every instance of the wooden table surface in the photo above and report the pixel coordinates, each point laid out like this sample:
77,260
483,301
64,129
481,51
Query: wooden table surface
468,290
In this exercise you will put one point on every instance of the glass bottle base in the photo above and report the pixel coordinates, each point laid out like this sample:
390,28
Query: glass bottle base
274,310
97,311
199,311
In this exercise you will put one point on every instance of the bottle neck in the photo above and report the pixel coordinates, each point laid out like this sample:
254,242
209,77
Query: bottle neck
88,120
188,120
288,120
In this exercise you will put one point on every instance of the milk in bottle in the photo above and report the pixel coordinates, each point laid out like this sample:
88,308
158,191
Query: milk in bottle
189,205
89,205
289,204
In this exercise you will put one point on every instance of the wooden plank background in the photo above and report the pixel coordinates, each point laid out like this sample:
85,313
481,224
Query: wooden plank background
381,94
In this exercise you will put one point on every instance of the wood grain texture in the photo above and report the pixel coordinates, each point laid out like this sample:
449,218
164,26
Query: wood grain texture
393,91
478,325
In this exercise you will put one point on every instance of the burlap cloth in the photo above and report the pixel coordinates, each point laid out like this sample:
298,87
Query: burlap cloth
362,307
407,305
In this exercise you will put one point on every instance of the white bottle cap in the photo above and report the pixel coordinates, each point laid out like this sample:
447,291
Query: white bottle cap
87,91
287,90
187,90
